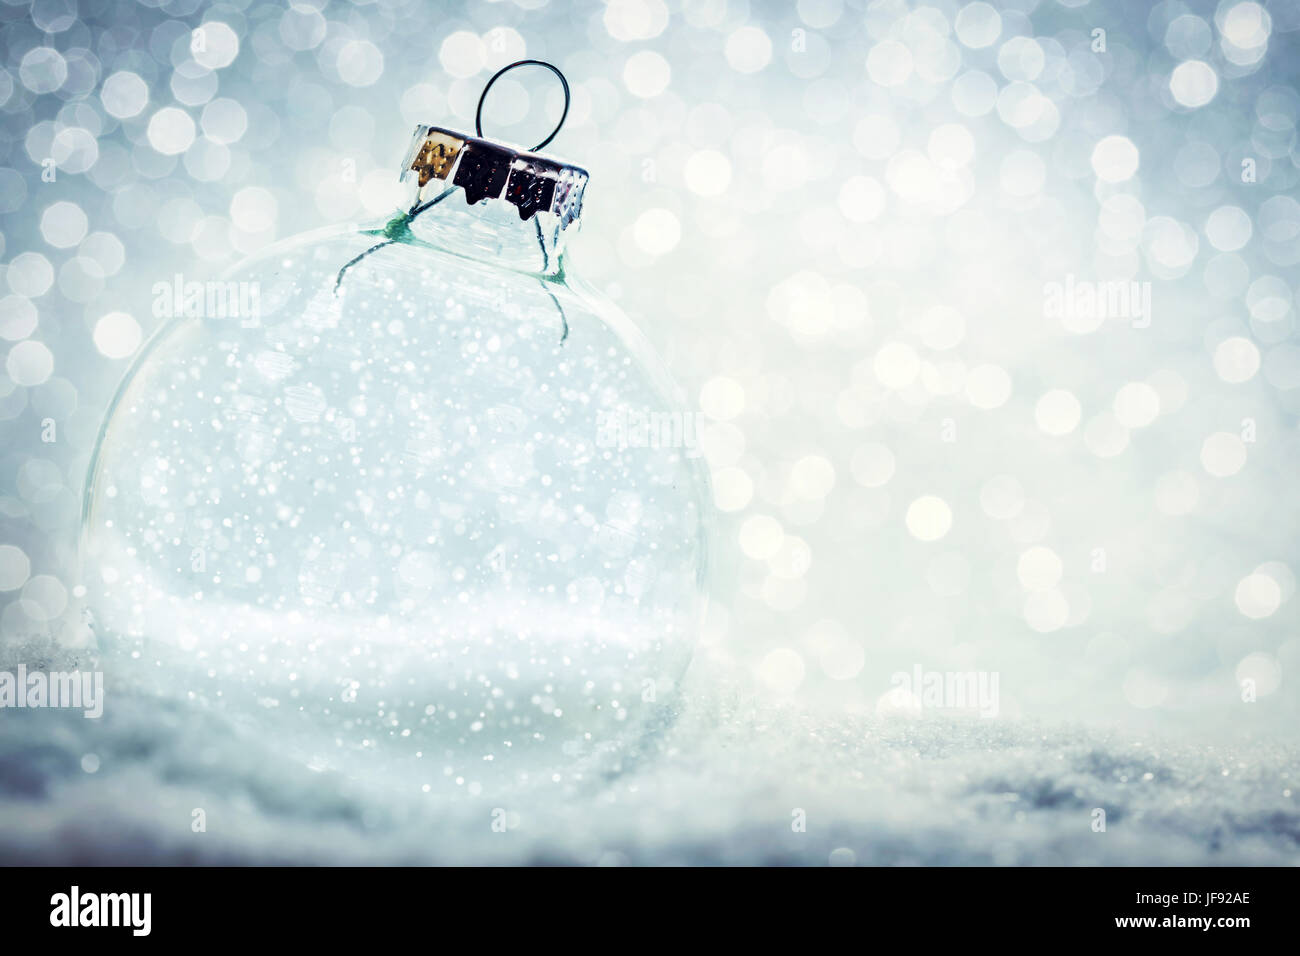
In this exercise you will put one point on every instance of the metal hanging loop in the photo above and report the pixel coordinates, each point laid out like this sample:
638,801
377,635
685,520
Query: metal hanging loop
478,114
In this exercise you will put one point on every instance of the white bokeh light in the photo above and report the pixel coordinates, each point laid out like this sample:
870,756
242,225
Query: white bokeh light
646,74
707,172
978,24
1236,360
124,94
929,518
1115,159
1058,412
1228,228
30,274
1039,568
214,44
18,318
360,63
462,54
171,130
897,365
748,49
657,231
1223,454
1136,405
1194,83
889,63
1257,596
15,567
64,224
29,363
254,209
861,198
988,386
117,335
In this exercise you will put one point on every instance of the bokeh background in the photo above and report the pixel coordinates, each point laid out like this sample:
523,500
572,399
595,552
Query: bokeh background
840,223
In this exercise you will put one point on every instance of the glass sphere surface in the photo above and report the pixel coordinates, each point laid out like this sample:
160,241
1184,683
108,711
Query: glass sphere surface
437,509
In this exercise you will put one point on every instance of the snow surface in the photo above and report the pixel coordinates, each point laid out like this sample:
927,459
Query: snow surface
722,787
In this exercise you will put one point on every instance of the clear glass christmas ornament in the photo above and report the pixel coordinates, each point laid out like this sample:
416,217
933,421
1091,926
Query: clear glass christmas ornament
411,497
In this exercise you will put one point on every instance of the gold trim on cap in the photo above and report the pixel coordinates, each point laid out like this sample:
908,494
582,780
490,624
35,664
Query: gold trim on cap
434,155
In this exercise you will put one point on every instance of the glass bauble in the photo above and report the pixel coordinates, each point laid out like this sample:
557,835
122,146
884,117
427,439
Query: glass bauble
405,495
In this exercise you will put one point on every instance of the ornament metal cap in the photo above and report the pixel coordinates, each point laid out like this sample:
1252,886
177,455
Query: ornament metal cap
487,169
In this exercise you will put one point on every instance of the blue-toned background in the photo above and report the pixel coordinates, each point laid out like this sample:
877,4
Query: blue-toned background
864,235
